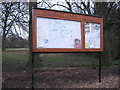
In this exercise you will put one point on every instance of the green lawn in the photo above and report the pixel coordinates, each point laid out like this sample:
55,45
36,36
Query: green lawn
65,60
16,60
17,48
0,58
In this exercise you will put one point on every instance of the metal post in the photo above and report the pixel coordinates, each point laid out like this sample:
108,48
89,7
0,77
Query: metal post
32,71
99,67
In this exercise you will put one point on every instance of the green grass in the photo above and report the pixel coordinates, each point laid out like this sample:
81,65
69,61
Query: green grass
14,60
0,58
64,60
116,62
17,48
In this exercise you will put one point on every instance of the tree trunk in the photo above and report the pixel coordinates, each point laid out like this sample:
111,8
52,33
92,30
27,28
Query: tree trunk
4,36
107,53
3,42
4,30
31,4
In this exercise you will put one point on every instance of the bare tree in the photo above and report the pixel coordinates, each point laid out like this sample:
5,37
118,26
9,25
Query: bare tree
14,16
77,6
110,12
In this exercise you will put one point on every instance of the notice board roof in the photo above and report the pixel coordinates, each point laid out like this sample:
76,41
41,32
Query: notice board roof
68,12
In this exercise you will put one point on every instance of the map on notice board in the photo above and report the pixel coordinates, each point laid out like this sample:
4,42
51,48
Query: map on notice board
56,33
92,35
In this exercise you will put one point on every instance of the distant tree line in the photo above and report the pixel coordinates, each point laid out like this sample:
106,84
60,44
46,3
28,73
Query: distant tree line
13,41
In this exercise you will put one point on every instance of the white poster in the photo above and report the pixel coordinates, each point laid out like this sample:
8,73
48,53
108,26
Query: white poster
92,35
55,33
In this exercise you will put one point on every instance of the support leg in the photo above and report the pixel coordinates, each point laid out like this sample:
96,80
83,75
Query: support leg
32,71
99,67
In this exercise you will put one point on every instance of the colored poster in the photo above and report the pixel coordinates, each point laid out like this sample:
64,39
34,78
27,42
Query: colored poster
92,35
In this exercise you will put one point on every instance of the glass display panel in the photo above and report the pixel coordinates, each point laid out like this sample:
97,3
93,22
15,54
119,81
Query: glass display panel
56,33
92,35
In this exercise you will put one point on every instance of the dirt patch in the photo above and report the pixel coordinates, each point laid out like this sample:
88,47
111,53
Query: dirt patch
63,78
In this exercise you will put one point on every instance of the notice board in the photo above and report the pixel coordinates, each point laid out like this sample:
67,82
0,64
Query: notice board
57,31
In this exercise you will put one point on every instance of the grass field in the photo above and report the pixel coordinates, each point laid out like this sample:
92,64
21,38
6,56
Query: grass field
0,60
17,49
17,60
64,60
14,60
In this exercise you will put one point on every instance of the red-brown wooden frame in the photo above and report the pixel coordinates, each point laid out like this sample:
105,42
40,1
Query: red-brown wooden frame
65,16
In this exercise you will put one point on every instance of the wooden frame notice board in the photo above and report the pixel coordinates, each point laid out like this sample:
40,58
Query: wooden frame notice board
57,31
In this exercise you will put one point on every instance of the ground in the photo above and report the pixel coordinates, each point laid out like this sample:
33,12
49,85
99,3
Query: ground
63,78
75,72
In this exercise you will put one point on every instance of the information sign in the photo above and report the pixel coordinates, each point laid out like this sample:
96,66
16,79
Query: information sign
56,31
